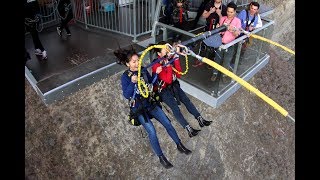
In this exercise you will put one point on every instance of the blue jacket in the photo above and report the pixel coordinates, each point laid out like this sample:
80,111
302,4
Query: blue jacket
243,17
128,88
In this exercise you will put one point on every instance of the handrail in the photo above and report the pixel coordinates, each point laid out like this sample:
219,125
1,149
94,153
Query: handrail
226,46
173,28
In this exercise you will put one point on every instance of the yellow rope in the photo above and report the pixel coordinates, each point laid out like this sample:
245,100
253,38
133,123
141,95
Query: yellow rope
199,34
272,42
145,93
246,85
187,67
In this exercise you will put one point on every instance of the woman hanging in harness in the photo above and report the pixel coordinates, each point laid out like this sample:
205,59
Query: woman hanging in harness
144,108
170,91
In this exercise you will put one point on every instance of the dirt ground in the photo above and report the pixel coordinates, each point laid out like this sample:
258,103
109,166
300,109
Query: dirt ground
85,135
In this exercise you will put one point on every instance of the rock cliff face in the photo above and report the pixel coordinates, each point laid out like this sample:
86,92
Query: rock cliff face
86,135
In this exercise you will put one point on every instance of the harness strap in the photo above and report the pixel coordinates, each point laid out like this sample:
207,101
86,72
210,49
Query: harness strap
247,19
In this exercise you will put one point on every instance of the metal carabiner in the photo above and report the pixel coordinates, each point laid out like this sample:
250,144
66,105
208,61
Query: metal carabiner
185,49
170,49
132,102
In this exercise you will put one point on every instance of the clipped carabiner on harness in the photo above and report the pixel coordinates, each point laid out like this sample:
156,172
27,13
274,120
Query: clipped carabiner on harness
184,50
132,102
170,49
150,87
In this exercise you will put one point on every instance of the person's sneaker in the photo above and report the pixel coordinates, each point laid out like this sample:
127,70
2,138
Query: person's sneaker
68,34
59,31
213,77
38,52
44,55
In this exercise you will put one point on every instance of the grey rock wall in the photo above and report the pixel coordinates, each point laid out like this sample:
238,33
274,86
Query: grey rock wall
86,136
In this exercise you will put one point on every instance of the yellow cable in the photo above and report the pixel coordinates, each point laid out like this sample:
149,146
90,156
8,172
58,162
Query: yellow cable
246,85
187,67
272,42
146,94
199,34
218,67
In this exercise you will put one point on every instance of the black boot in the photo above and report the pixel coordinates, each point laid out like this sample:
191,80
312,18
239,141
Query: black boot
183,149
164,161
203,122
192,132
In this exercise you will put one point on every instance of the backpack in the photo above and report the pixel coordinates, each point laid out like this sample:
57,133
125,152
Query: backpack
214,41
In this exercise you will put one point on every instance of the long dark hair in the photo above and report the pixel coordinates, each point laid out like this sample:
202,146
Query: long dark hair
124,55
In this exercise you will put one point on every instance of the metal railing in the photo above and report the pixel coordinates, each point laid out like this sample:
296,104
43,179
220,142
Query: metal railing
48,12
245,59
129,17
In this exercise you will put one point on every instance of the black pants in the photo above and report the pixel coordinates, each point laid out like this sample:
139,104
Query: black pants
35,37
64,22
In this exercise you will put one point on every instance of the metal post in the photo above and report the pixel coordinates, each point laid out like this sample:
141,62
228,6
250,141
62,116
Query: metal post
156,19
153,5
134,22
165,34
260,45
85,14
236,63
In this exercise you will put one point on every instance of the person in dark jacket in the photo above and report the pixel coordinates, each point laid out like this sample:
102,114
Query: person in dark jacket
179,16
170,91
199,12
66,14
213,11
180,13
32,11
142,107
